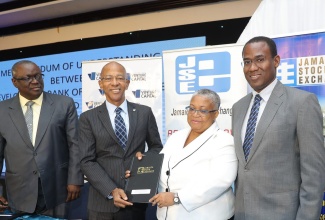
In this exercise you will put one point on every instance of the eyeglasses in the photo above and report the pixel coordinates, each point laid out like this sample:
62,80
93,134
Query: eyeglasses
200,112
258,61
29,79
110,79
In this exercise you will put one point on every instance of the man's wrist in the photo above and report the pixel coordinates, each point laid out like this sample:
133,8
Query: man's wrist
110,196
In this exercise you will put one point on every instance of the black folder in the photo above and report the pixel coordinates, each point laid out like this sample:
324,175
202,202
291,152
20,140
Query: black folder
145,174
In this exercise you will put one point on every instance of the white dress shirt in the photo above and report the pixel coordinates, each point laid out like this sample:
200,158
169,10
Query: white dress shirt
36,111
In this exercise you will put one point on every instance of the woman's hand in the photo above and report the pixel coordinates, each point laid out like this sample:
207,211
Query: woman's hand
163,199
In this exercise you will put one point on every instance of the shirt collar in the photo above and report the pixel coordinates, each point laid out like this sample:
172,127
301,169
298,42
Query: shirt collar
266,92
37,101
111,107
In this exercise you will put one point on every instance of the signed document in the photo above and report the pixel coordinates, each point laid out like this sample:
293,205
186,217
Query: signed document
143,182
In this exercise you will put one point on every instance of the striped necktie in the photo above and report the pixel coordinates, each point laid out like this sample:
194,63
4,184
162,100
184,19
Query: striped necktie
120,129
29,119
251,124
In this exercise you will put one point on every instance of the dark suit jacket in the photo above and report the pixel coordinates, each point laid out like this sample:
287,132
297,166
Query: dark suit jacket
284,176
103,160
55,157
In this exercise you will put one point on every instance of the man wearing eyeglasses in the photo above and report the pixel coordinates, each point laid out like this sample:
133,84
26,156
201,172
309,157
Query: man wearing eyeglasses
110,136
39,143
278,133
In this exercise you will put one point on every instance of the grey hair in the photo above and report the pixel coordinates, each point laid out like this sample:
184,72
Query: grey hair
17,64
212,95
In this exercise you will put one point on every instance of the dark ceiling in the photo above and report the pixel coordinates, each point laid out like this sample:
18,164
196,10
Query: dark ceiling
18,16
29,15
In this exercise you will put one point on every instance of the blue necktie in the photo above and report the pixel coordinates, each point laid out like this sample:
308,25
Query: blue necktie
120,129
251,124
29,119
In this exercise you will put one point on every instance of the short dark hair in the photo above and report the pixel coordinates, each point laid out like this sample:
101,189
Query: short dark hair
15,66
270,42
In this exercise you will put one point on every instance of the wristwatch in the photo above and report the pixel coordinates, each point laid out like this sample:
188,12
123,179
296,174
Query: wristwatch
176,199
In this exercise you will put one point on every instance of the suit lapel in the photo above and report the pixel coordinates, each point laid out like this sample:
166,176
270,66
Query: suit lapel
18,119
271,108
45,117
133,118
240,117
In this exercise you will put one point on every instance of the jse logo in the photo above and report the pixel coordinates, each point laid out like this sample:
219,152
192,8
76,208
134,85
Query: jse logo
198,71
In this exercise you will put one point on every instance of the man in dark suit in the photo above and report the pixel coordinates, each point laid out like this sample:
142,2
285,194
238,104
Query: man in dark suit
104,158
41,153
281,176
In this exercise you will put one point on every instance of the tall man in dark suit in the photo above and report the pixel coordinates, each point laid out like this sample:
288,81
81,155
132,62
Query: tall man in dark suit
104,159
41,153
281,175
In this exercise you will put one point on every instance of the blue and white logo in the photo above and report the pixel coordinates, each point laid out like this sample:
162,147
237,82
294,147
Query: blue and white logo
144,93
94,76
198,71
302,71
286,72
93,104
136,93
101,91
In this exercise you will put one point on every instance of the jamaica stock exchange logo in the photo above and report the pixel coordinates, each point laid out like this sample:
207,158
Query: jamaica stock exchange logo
94,76
198,71
93,104
145,93
302,71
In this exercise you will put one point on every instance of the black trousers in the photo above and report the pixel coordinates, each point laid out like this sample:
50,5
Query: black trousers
59,211
135,212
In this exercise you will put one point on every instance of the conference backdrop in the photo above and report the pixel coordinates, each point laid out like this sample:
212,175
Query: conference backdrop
214,67
63,71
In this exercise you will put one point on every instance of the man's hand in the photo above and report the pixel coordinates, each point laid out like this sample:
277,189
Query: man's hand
120,198
127,174
3,203
139,155
73,192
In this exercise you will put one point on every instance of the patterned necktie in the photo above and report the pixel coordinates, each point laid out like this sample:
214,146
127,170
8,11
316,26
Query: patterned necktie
120,129
251,124
29,119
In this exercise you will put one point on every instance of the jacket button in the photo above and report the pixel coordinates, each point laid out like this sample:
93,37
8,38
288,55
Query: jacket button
35,172
35,154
